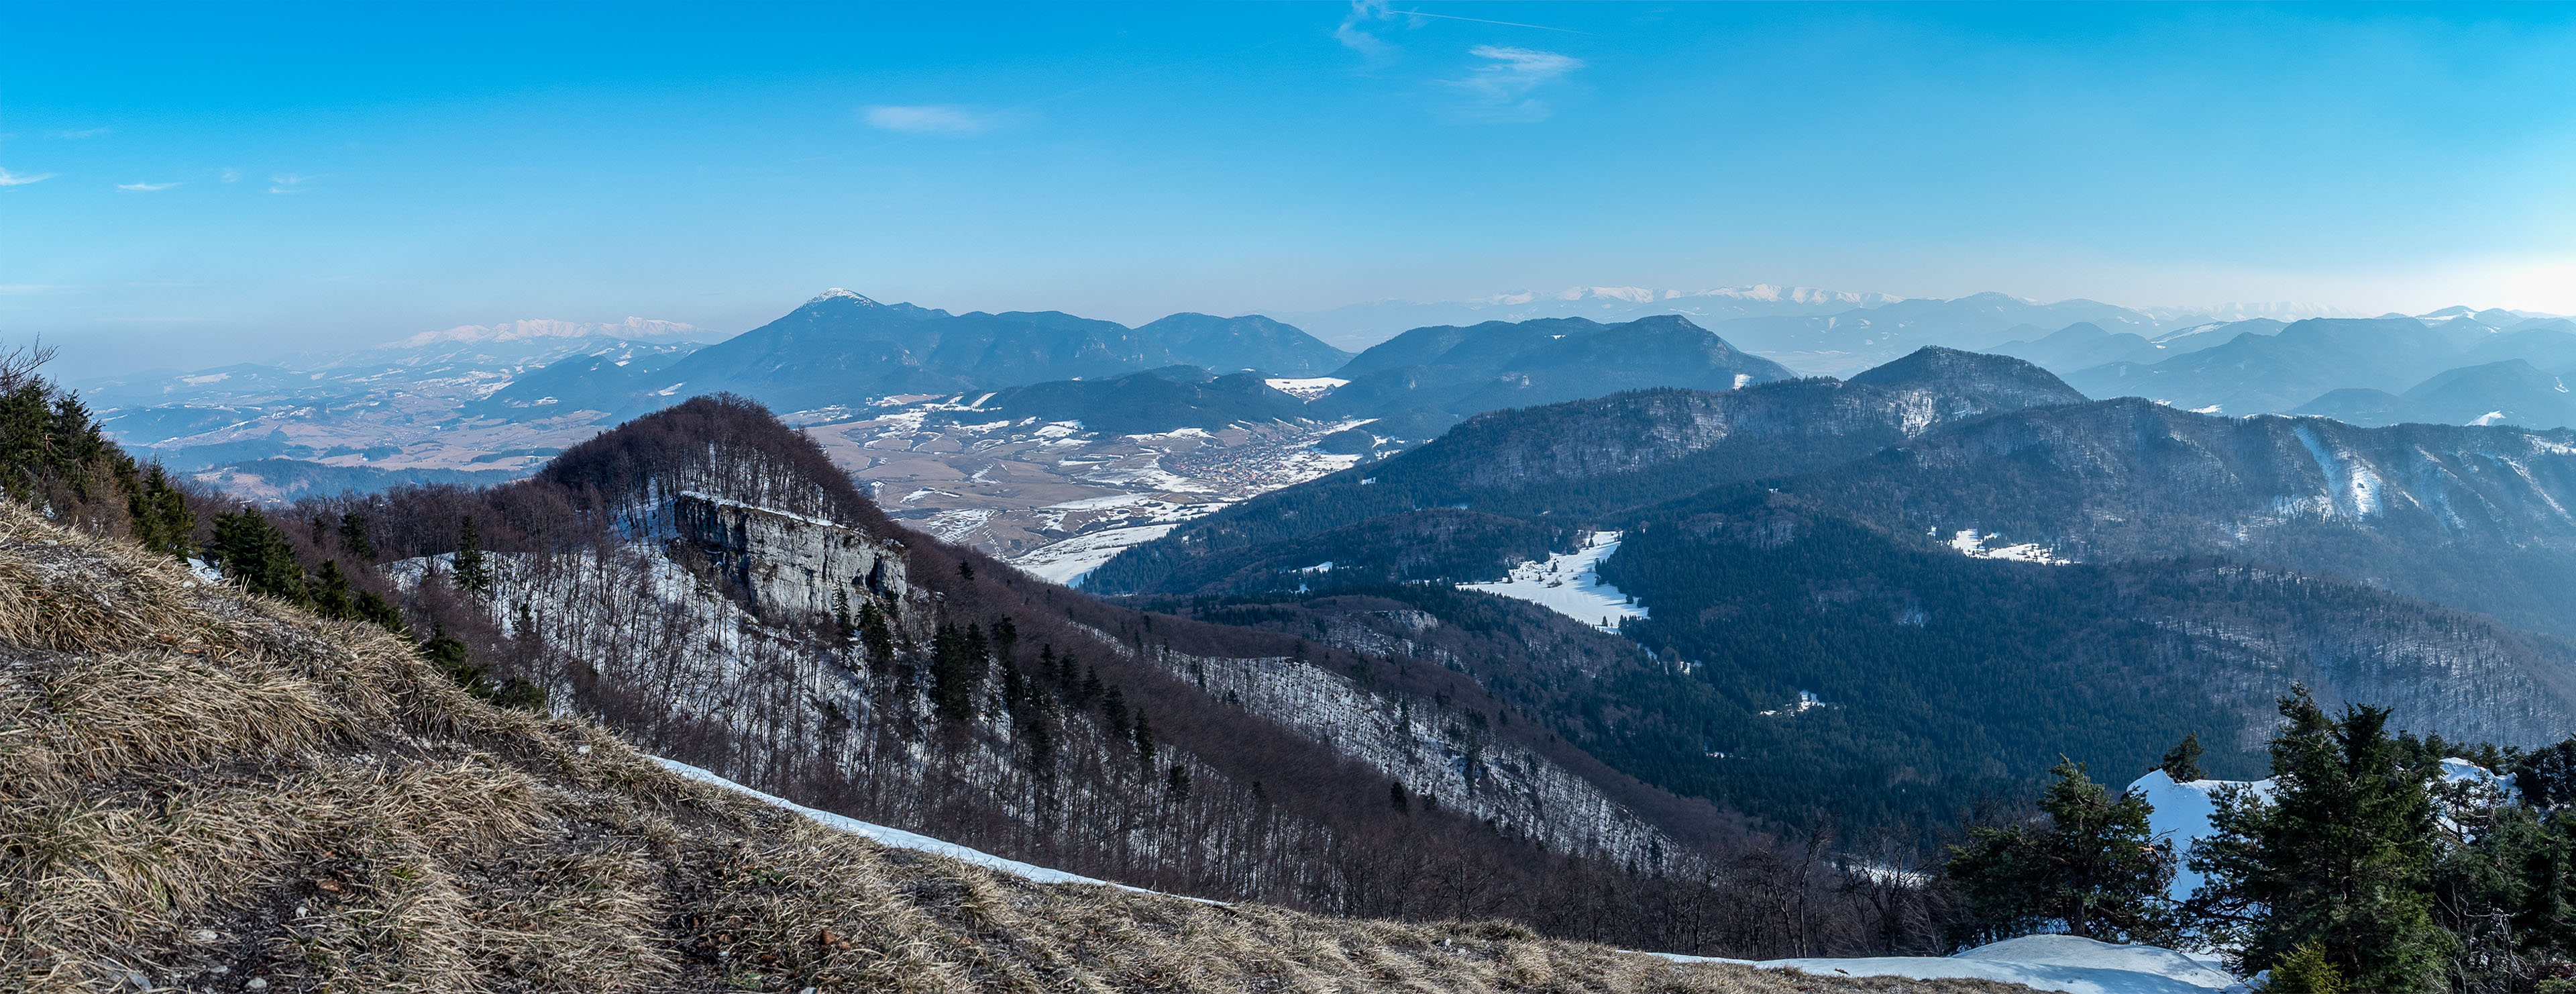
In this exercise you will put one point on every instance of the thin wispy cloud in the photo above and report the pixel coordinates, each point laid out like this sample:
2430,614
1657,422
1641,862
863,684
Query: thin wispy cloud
929,119
232,176
1354,33
1500,90
86,133
286,183
8,178
145,187
1479,20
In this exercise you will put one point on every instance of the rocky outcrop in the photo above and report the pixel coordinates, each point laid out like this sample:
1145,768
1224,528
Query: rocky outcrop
788,562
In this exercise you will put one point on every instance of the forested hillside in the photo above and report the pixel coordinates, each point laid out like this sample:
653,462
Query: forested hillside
1837,634
704,583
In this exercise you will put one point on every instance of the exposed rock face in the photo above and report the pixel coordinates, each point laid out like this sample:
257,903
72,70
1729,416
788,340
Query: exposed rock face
789,562
1442,753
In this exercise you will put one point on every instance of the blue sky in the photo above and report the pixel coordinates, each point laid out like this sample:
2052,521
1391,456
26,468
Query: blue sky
201,183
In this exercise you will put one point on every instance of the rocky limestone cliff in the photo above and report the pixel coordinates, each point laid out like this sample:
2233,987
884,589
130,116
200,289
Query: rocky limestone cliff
789,562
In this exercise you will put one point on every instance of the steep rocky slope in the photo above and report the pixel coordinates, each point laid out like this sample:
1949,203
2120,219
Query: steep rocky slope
207,791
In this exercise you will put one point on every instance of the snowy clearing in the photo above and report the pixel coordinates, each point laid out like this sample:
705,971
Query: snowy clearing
1569,583
1068,561
1973,544
1306,388
2043,962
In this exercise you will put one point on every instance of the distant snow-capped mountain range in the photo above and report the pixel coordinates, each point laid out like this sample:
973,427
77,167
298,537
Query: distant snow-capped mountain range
539,328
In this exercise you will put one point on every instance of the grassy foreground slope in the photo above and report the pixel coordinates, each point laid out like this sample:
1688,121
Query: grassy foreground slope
201,790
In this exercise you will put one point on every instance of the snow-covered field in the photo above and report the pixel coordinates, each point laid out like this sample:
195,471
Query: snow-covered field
1569,583
1306,388
1068,561
1975,545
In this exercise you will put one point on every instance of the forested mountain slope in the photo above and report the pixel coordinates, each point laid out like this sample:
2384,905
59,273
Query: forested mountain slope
1580,463
704,582
1821,560
213,791
842,348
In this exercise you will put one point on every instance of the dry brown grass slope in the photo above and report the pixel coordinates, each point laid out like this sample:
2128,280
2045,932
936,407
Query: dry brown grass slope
204,791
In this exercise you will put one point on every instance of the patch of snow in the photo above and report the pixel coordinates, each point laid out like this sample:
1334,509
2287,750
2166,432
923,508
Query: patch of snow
1306,388
1741,379
1174,433
1068,561
2352,486
1972,544
729,502
2042,962
1323,567
2491,417
1569,583
1100,503
891,837
1807,701
2181,815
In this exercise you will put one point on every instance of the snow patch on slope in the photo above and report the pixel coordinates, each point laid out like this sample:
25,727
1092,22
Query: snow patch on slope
1068,561
1569,583
1306,388
2042,962
892,837
1976,545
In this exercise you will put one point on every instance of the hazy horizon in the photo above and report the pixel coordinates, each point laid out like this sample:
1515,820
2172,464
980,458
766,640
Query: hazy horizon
188,185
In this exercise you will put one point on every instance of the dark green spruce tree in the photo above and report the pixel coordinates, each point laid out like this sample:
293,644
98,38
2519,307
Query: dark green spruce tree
2092,862
2341,856
473,573
252,552
2182,762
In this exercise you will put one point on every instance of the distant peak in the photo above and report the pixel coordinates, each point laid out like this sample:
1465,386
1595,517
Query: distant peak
837,292
2003,381
1659,322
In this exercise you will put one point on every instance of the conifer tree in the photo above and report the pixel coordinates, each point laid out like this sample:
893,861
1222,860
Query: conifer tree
473,575
957,662
332,599
162,521
1177,784
253,553
1144,739
372,606
874,632
1006,640
1041,747
1113,708
2340,857
353,537
2093,864
2182,762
